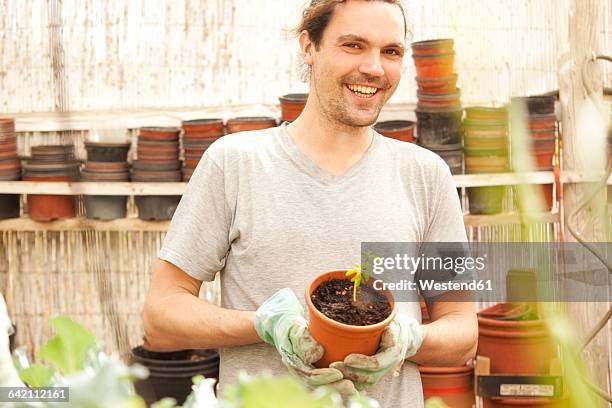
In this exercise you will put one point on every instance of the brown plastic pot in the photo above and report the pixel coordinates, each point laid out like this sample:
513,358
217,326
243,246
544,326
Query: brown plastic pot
454,385
292,105
204,128
435,66
397,129
542,122
433,47
433,100
442,85
339,339
515,347
543,159
243,124
159,133
93,166
7,125
43,207
543,134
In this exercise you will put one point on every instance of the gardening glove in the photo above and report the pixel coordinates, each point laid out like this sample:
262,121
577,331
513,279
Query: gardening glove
400,340
279,321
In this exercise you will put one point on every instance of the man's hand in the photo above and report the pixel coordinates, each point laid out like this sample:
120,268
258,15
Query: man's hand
279,321
399,341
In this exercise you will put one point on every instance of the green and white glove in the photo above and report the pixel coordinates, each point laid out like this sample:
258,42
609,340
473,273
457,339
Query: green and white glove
279,321
399,341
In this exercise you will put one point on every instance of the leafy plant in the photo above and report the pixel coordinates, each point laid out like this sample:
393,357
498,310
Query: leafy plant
361,273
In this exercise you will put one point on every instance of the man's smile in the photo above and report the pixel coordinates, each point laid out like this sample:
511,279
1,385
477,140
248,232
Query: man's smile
363,91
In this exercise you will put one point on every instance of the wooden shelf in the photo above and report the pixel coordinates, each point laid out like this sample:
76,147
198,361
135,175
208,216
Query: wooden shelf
135,224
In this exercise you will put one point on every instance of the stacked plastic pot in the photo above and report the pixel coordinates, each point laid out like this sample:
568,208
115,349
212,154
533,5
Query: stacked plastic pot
158,161
106,162
292,105
397,129
485,141
51,163
10,167
542,130
198,135
438,110
246,123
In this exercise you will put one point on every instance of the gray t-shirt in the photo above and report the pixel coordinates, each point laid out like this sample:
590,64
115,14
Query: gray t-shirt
262,213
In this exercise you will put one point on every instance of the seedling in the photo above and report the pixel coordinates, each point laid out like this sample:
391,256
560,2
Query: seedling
361,273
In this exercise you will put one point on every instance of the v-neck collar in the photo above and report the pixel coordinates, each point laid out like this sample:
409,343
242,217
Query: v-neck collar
307,165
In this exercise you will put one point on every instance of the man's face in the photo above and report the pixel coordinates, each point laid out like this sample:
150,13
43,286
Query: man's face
359,61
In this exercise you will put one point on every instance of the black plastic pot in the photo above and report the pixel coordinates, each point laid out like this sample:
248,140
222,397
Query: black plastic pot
486,200
452,155
436,128
105,207
107,152
171,373
9,206
156,207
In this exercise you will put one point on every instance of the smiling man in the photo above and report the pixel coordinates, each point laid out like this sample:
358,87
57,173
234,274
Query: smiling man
271,209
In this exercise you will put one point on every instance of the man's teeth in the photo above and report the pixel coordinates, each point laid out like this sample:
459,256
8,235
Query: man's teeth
363,90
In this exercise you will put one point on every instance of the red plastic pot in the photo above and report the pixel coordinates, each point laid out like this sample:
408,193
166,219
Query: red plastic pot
515,347
43,207
397,129
339,339
292,105
454,385
435,66
159,133
7,125
433,47
543,134
244,124
429,100
543,159
540,122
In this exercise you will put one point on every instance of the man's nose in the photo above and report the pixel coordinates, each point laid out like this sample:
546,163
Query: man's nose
372,64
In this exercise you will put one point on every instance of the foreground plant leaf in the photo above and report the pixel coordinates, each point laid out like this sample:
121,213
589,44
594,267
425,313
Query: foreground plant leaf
37,375
66,350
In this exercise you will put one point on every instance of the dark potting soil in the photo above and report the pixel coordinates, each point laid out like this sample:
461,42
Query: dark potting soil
334,298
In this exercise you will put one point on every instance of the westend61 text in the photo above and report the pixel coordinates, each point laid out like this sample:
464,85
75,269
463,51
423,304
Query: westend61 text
404,284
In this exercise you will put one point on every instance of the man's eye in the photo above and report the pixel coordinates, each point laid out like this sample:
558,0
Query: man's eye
352,45
393,52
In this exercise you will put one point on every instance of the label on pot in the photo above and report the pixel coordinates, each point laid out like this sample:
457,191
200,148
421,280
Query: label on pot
526,390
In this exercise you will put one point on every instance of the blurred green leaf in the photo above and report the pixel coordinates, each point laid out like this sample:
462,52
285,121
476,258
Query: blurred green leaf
66,350
36,375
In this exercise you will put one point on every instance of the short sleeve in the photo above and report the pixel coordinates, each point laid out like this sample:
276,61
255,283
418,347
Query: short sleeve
198,238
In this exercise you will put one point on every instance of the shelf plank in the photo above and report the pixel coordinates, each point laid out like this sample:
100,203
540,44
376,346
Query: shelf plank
513,217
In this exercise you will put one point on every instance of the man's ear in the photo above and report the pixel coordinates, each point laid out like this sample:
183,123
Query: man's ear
306,46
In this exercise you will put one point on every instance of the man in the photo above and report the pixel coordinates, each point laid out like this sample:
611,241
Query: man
271,209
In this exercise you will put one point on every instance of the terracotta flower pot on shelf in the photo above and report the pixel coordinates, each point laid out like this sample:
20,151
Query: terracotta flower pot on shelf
433,47
454,385
159,133
45,207
438,100
340,339
292,105
203,128
439,85
541,122
397,129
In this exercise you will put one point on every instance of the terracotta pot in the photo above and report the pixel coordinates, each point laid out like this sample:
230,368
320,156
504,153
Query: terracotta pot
10,165
43,207
442,85
105,176
543,159
194,152
292,105
545,134
244,124
439,128
159,133
160,165
454,385
107,152
7,125
515,347
338,339
191,162
452,155
542,122
435,66
486,200
93,166
522,402
204,128
156,175
397,129
482,113
433,47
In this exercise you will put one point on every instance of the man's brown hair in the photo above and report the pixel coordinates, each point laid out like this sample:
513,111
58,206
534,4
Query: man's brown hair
316,16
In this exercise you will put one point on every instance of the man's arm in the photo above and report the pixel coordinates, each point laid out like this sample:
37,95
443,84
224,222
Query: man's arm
174,317
452,337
